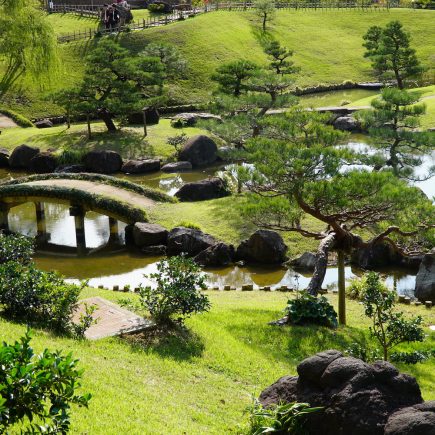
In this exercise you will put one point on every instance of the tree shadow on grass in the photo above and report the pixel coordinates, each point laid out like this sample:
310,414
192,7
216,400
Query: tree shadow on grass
171,342
291,343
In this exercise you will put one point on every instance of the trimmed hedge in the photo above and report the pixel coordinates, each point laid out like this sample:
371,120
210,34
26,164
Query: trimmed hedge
21,120
153,194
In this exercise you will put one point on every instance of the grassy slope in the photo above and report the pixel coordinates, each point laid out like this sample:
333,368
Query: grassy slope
203,385
427,95
327,47
129,141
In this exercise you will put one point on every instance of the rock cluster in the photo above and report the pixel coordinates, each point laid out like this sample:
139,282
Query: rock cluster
357,398
210,188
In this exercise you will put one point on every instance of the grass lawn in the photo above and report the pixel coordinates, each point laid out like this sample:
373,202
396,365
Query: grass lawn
203,384
129,141
427,96
327,45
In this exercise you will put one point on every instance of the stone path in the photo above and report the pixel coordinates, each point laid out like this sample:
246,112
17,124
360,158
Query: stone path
123,195
112,319
6,122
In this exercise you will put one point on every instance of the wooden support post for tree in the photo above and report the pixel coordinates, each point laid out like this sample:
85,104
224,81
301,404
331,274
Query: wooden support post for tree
144,112
88,121
341,290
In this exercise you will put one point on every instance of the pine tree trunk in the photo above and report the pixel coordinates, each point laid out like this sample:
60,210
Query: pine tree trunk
107,119
341,289
316,282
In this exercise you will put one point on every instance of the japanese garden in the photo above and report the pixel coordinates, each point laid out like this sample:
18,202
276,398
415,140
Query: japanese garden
217,217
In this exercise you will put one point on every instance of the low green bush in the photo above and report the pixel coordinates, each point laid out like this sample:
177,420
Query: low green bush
21,120
284,418
414,357
37,388
156,8
178,292
187,224
363,352
70,156
15,247
307,309
37,297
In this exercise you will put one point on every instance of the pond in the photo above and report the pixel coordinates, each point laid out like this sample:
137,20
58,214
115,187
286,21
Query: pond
126,268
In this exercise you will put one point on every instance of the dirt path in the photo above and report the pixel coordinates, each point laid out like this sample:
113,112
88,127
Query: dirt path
6,122
132,198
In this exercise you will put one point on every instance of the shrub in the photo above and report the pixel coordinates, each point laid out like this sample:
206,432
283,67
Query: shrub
71,156
388,327
413,357
285,418
307,309
15,247
177,142
34,296
178,292
187,224
38,387
363,352
156,8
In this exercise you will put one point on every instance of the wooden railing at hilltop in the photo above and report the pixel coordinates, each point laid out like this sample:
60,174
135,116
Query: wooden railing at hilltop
180,14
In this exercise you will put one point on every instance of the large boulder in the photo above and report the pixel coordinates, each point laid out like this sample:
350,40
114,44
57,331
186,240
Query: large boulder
188,241
43,123
307,261
21,156
347,123
199,150
216,256
103,162
264,246
140,166
210,188
414,420
152,117
425,280
177,167
145,234
376,255
43,163
4,158
357,398
189,119
70,169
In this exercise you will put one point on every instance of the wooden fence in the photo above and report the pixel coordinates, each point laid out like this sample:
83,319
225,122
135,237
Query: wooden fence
179,14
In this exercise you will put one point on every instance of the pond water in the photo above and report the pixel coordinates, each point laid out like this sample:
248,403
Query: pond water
127,268
335,98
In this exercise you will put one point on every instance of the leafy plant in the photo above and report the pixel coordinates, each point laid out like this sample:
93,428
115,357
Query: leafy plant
178,291
38,297
413,357
177,142
86,321
363,352
37,387
388,327
308,309
156,8
15,247
284,418
71,156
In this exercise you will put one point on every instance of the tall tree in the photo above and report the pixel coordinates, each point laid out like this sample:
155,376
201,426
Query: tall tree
116,83
280,58
393,123
232,77
28,45
265,10
391,54
293,182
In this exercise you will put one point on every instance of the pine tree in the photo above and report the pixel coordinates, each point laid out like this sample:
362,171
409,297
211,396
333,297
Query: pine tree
280,58
391,54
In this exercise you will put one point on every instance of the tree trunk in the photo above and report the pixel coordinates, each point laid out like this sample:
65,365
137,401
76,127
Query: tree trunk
264,22
107,119
341,289
88,121
325,246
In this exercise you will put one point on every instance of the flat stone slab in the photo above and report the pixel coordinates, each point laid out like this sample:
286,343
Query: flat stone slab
112,319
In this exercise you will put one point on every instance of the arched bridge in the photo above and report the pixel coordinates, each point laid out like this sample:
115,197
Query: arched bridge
118,199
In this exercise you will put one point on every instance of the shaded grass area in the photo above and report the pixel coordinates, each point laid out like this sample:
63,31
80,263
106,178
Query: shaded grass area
129,141
327,45
203,383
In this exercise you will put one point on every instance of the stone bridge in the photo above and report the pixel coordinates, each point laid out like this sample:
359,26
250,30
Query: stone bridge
119,200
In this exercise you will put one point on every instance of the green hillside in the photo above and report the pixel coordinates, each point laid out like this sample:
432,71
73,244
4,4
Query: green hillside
327,47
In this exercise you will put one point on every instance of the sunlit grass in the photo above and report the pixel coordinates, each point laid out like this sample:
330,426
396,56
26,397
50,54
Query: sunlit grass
203,385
